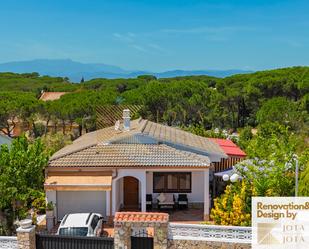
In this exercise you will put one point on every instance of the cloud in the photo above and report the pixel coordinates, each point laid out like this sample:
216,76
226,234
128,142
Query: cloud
202,30
156,47
131,40
295,44
139,48
128,37
213,34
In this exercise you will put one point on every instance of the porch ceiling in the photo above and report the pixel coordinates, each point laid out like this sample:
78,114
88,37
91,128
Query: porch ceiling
78,183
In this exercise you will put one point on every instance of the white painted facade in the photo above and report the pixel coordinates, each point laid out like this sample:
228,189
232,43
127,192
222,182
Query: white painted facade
199,193
111,201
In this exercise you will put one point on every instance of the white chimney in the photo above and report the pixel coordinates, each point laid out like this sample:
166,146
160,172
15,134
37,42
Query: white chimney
126,119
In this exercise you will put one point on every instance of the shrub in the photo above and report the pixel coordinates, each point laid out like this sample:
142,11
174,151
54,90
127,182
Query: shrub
233,207
39,204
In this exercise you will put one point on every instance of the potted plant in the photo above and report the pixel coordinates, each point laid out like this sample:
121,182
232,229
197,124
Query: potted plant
50,209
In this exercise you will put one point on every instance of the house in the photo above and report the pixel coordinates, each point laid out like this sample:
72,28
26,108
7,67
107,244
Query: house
235,155
115,168
50,96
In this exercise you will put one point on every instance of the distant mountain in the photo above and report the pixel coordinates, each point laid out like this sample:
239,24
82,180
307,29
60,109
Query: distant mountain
76,70
215,73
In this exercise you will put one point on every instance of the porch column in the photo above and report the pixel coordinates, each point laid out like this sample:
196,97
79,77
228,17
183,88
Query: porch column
51,216
143,192
113,200
51,196
206,194
108,203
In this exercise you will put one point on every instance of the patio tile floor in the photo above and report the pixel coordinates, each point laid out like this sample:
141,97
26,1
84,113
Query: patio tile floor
191,215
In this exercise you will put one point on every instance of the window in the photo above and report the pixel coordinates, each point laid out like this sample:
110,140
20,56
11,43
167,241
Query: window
172,182
94,222
74,231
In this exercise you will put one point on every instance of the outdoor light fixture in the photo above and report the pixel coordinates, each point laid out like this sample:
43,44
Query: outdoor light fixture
232,178
225,177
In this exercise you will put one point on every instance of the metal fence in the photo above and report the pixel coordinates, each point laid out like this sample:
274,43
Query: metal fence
232,234
44,241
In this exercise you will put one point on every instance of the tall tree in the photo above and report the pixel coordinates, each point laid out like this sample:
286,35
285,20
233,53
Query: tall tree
21,176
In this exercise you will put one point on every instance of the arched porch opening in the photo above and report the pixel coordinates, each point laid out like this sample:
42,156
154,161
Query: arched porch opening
129,192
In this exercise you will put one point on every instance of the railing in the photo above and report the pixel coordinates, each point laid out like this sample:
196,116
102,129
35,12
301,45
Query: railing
232,234
8,242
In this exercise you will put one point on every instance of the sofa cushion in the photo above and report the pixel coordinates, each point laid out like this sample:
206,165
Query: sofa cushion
161,197
169,198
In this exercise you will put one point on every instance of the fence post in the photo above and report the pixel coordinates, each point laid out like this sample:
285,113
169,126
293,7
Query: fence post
26,235
50,221
126,222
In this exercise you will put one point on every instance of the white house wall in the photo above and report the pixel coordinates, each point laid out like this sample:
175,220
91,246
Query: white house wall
117,188
119,196
146,177
51,196
197,193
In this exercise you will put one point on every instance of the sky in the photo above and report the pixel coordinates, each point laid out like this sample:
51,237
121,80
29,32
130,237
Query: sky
158,35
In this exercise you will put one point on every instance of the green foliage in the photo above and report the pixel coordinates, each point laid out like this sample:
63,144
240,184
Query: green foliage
304,177
39,203
50,206
271,167
245,135
54,142
34,83
21,177
233,102
39,129
15,105
201,131
147,77
283,111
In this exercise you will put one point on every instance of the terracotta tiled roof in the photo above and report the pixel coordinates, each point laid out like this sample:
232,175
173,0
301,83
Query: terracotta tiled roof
177,136
229,147
130,155
99,137
51,95
143,132
141,217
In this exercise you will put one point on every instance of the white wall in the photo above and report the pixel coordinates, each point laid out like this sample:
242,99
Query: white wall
117,187
197,194
119,194
145,177
51,196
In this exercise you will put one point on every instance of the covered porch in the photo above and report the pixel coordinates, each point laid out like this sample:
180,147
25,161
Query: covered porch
139,190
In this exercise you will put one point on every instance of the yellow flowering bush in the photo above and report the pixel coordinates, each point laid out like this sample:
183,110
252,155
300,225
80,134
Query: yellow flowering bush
233,207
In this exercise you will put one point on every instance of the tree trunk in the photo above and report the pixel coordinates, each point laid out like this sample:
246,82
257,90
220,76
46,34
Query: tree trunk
80,129
63,127
46,127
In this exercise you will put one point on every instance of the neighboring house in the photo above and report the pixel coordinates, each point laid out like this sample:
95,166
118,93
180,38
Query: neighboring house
235,155
56,127
50,96
114,169
5,140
